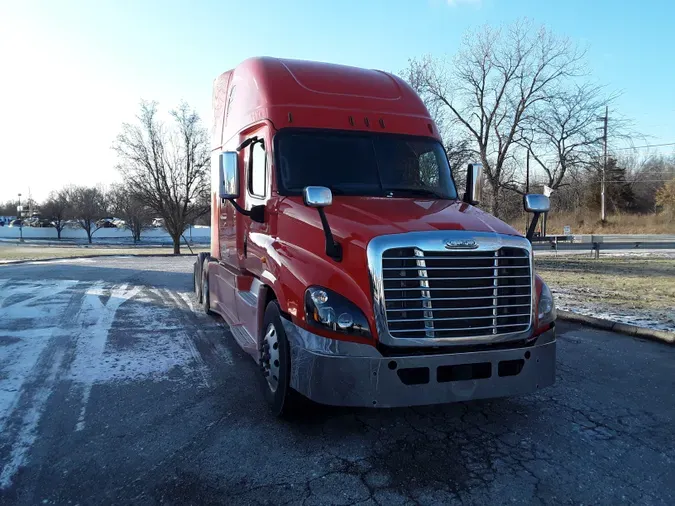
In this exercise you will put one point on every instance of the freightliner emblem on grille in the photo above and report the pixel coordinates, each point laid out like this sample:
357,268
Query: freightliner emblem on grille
461,244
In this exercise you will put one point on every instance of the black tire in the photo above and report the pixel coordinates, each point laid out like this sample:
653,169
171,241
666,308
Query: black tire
206,299
284,402
199,268
197,282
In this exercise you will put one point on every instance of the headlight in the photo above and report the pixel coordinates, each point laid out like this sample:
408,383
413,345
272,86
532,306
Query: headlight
327,309
546,308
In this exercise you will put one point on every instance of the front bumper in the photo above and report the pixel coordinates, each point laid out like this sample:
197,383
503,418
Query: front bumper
342,373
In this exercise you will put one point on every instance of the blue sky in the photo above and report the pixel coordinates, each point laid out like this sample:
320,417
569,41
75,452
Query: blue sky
72,71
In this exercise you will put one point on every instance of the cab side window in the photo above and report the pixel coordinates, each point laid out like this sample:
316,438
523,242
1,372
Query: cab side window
257,173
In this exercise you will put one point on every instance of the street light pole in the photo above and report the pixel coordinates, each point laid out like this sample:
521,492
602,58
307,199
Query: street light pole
19,210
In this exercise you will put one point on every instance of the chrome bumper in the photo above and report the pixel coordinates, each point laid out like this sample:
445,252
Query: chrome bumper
348,374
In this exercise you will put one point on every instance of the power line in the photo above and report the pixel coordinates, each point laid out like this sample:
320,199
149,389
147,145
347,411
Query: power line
633,182
646,146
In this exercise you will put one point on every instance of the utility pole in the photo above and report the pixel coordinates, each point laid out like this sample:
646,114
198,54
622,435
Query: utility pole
604,166
527,173
527,188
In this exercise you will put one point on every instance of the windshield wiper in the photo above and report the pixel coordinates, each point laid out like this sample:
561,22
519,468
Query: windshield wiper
415,191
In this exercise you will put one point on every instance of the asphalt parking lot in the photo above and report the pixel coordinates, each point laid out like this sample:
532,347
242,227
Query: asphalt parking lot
115,388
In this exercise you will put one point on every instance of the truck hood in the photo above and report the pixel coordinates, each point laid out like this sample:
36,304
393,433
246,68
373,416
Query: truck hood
359,219
300,248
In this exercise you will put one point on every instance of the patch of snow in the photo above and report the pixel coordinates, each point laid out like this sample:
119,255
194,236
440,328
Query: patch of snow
580,301
114,333
29,312
29,423
96,318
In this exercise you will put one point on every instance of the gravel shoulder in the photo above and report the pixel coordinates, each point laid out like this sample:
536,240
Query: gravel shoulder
638,290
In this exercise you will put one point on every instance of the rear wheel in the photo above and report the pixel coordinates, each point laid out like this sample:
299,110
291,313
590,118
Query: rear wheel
199,269
197,283
275,365
206,299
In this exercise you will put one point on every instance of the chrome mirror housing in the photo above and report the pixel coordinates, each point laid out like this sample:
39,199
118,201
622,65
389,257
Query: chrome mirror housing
474,184
228,175
317,196
536,203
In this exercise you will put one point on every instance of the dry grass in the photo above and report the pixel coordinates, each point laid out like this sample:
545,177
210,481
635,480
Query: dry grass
587,223
10,252
639,283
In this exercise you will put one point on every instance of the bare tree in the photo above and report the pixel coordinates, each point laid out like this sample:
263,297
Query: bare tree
168,167
126,203
57,208
493,85
565,130
460,154
88,206
564,135
9,208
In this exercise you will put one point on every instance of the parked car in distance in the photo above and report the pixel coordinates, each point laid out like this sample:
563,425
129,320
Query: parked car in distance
2,223
158,222
16,223
105,223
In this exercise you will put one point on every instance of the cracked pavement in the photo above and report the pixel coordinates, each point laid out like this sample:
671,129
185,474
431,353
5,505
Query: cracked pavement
114,388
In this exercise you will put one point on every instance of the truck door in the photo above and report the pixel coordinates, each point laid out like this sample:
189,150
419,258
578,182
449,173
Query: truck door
258,192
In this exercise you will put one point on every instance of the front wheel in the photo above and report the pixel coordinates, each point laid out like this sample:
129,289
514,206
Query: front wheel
275,364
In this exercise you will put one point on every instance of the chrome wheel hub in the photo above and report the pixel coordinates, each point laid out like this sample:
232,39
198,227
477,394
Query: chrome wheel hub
269,358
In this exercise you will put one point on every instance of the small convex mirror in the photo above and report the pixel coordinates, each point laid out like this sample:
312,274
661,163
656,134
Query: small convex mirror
536,203
317,196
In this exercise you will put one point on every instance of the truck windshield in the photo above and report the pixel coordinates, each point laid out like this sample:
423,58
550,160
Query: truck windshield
363,164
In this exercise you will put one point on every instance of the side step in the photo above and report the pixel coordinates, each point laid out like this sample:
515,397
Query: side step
245,340
246,299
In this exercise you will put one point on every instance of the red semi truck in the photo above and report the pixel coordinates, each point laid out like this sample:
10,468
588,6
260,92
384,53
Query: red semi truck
345,260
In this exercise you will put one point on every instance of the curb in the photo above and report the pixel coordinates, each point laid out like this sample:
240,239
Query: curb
623,328
144,255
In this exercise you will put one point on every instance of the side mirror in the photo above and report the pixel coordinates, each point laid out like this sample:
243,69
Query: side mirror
228,175
317,196
320,197
536,203
474,184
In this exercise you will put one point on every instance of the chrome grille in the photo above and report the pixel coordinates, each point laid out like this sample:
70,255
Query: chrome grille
443,294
